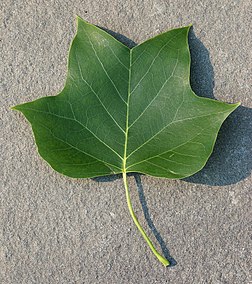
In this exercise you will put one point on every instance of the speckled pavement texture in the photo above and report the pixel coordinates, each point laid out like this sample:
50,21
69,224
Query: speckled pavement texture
55,229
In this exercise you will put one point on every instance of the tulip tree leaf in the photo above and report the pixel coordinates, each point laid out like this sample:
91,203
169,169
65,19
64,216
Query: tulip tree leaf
126,109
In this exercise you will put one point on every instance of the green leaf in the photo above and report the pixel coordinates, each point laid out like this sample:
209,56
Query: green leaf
126,110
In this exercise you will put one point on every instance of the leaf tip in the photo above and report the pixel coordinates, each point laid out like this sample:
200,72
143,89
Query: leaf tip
188,28
79,20
235,106
78,17
13,108
16,107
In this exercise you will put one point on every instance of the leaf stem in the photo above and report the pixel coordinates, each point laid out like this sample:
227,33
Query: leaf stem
163,260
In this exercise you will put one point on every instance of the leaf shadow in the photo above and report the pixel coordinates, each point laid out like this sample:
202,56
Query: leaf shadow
231,160
150,223
137,176
123,39
145,209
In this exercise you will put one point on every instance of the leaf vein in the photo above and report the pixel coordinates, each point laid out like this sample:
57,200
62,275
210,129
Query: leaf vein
78,149
93,91
166,169
160,90
172,122
154,59
77,121
104,69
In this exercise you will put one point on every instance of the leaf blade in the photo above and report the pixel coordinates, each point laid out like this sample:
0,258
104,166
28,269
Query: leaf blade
125,110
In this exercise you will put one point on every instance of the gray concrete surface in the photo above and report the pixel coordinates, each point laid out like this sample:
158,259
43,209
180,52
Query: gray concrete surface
54,229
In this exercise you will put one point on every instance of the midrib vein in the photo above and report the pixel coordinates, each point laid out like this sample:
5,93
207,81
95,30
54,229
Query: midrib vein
127,118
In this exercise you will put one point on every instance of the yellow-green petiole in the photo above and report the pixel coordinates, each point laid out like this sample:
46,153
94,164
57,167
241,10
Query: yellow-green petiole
163,260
